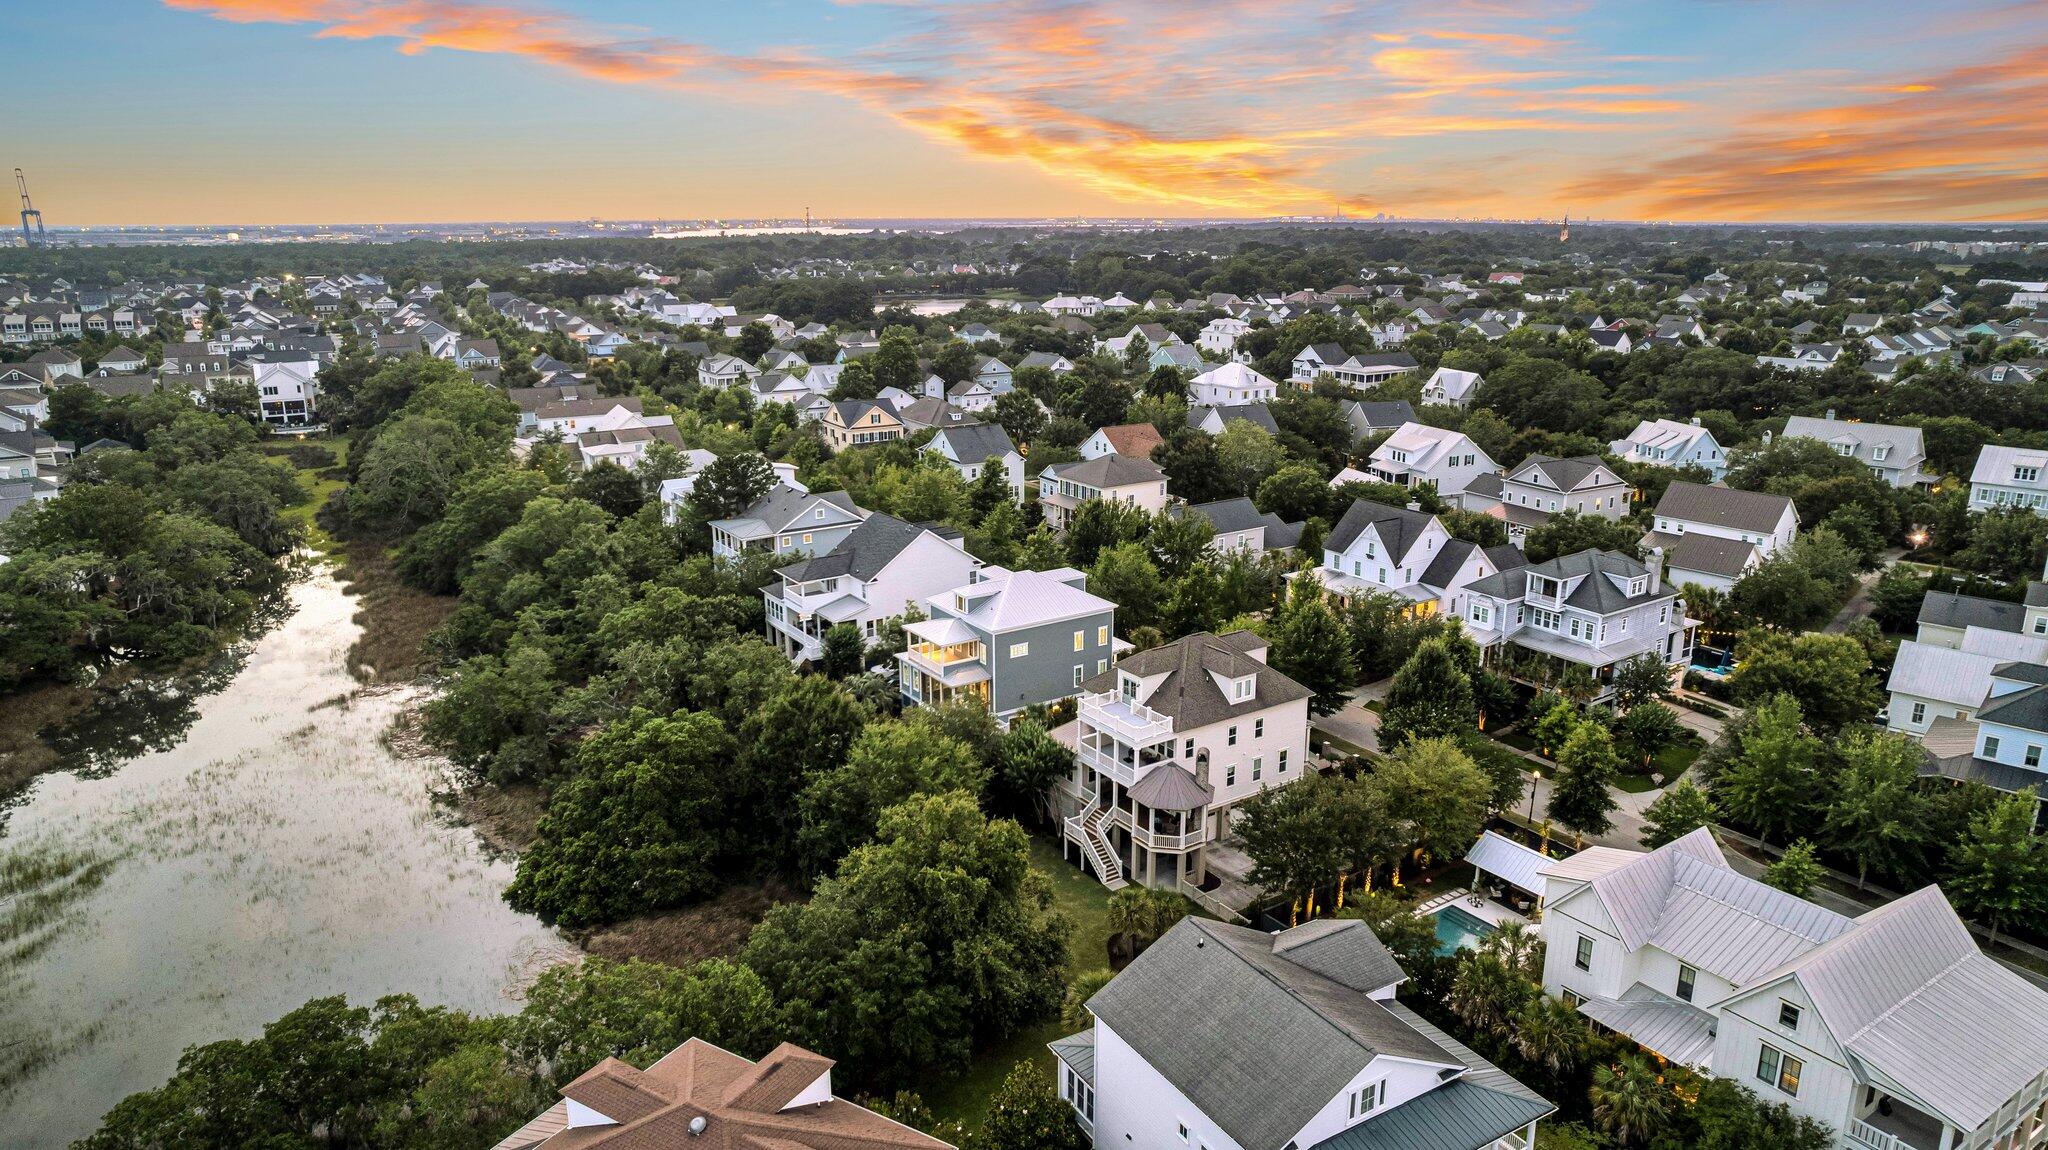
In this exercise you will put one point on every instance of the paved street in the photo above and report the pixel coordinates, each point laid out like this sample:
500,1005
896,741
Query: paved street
1859,605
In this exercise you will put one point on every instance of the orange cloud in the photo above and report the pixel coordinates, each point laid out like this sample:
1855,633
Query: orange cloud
1971,142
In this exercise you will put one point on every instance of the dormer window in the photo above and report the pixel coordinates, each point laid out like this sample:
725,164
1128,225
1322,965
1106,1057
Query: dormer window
1244,688
2025,474
1636,586
1880,451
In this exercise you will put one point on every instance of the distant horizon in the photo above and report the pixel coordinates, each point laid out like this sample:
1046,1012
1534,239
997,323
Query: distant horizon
1068,221
1768,112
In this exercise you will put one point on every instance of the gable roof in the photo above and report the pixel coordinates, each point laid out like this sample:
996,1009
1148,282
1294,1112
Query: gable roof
866,550
1134,440
1563,474
1277,1042
1187,694
1108,471
1733,508
1863,438
1397,527
974,442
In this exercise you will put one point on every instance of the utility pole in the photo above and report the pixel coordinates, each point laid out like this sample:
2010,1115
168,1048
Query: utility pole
33,238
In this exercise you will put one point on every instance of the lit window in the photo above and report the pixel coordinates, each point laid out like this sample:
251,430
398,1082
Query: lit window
1779,1069
1080,640
1019,650
1102,635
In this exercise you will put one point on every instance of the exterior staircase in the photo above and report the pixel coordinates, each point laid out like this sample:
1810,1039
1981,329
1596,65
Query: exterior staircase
1086,830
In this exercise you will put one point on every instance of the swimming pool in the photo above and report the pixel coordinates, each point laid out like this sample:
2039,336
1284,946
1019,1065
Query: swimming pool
1457,930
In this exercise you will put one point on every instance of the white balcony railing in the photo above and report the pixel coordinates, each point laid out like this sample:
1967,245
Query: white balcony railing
1864,1136
1139,724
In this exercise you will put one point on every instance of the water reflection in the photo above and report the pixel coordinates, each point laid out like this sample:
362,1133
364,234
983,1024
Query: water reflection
215,852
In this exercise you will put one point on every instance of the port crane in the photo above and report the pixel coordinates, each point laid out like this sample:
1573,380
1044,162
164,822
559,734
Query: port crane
33,237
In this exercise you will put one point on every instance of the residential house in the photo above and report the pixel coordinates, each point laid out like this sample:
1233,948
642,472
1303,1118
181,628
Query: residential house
1378,549
625,446
1894,455
1932,681
1418,454
1805,357
1178,356
571,417
1578,615
702,1097
1130,440
2003,747
1220,337
880,570
1167,743
1612,339
1241,527
788,521
121,361
1369,417
1669,443
1009,640
972,448
1712,536
721,371
858,423
923,414
2009,477
1356,371
1232,383
1543,486
1064,487
1451,387
1050,361
1222,1037
1891,1027
1212,420
475,354
1148,335
287,387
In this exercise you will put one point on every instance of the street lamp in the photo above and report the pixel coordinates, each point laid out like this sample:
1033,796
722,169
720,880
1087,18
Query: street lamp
1537,778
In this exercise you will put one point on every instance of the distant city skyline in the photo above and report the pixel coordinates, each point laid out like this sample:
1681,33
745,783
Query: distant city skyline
255,112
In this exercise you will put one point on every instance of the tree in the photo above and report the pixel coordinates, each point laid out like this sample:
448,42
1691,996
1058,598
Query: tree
643,824
1311,832
1026,1113
1999,872
805,729
887,764
1772,779
1877,814
1297,492
1729,1116
1586,766
1487,994
1140,916
1310,647
730,484
1124,575
1028,762
1551,1035
1682,809
1246,455
1433,792
1410,936
1828,676
1431,696
1796,871
1647,729
930,942
2006,542
842,650
1074,1013
1643,679
1020,415
1569,532
1630,1101
611,487
578,1014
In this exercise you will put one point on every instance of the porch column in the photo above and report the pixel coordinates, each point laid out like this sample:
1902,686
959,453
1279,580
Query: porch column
1948,1137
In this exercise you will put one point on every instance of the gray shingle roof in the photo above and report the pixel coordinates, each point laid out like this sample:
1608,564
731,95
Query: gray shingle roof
1753,511
974,442
1187,694
866,550
1709,554
1564,474
1473,1111
1398,527
1109,471
1276,1041
2026,709
1946,609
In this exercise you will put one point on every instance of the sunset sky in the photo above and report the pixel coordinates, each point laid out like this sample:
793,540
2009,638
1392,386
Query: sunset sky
270,111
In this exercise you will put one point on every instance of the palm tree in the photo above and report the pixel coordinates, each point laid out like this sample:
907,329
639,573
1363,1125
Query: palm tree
1519,948
1630,1101
1550,1035
1487,995
1074,1010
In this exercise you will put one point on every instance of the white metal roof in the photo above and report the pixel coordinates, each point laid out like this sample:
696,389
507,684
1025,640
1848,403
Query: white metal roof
1509,860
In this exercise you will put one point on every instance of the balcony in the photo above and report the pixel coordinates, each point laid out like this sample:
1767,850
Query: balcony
1152,837
1134,722
945,660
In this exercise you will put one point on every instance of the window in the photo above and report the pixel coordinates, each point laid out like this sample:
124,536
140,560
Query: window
2041,624
1687,976
1230,775
2025,474
1019,650
1583,959
1991,746
1366,1099
1183,1131
1101,665
1572,998
1259,728
1779,1069
1919,713
1080,640
1189,753
1230,737
1282,765
2034,754
1078,674
1788,1015
1102,635
807,538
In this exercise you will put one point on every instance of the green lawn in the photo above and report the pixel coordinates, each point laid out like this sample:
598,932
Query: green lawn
1672,761
1520,740
321,488
1077,895
1634,784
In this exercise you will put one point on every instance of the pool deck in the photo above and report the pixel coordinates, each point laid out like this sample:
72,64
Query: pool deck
1485,909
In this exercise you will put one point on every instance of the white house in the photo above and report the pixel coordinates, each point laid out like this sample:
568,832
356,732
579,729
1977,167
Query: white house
1894,455
1669,443
1543,486
1229,385
1449,386
1220,337
1592,611
972,448
1891,1027
1064,487
788,521
1377,549
1166,744
2009,477
287,390
1931,680
1357,371
878,571
1222,1037
1417,454
1712,536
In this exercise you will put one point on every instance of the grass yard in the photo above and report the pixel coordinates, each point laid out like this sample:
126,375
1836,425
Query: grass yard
1634,784
311,478
1673,761
1520,740
1077,895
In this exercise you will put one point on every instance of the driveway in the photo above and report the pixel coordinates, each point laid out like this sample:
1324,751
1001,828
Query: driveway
1859,605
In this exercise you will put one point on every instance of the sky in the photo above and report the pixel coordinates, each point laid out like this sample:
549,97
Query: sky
362,111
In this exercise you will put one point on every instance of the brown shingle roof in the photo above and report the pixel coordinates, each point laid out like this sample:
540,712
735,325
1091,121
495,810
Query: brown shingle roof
1135,440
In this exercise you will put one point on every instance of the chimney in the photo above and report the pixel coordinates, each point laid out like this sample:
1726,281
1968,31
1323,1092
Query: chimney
1695,421
1831,413
1415,507
1656,566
